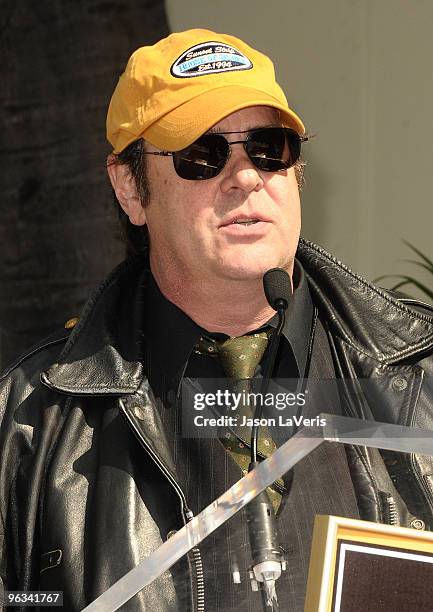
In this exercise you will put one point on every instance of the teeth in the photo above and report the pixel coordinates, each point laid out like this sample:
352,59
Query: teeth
245,222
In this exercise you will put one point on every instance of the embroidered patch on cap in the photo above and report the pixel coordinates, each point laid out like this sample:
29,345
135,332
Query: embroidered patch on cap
209,58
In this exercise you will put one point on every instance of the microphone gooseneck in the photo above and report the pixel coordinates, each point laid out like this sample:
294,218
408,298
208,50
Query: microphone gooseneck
266,552
278,292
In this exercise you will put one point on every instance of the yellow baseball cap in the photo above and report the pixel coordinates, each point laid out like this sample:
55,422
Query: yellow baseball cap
174,91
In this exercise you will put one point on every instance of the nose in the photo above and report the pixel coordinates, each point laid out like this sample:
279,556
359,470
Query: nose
240,172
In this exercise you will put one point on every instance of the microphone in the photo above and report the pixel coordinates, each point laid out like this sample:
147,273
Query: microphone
277,288
268,561
278,292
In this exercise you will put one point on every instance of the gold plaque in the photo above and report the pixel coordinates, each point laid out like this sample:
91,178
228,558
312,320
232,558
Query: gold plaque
357,565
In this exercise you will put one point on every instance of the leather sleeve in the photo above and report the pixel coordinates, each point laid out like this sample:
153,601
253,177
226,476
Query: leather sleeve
25,433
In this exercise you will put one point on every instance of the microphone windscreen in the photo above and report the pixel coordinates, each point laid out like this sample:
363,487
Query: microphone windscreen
277,286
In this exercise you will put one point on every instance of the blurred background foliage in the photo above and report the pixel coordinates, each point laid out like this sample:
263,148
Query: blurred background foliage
409,281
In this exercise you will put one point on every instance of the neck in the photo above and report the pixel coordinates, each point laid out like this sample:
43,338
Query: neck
232,307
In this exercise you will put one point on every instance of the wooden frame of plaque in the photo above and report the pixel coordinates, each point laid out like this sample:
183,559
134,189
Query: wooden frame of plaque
357,565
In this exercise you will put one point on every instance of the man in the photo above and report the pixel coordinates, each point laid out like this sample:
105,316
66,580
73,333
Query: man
95,473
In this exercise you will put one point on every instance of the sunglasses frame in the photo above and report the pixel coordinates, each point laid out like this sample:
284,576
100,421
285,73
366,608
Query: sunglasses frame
175,154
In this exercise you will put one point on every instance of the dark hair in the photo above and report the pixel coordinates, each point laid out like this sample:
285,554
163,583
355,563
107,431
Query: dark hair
136,237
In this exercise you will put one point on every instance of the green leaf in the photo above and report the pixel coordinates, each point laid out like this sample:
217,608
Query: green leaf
412,281
398,285
389,276
419,263
376,280
426,264
428,261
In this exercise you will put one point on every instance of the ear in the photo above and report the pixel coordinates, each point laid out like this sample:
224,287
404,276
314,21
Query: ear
126,191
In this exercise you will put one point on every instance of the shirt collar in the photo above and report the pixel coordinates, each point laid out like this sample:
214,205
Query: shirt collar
297,326
171,334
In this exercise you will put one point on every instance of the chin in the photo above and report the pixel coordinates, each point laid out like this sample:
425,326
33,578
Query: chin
253,268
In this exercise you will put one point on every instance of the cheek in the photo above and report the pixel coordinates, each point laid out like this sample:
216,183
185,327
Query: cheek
284,192
178,217
197,202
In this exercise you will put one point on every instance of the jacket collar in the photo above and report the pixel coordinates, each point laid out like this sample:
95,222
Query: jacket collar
362,314
103,354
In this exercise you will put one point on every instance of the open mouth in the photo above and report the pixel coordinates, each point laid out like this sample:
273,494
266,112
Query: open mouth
244,222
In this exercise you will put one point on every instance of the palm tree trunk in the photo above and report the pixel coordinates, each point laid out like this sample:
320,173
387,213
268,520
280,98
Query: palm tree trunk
58,230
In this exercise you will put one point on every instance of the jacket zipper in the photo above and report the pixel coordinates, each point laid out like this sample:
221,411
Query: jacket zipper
423,486
392,512
187,514
198,563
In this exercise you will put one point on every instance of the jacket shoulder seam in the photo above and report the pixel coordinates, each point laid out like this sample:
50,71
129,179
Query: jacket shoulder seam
414,303
396,302
387,360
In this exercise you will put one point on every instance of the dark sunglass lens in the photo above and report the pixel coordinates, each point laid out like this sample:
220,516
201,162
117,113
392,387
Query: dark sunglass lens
203,159
273,149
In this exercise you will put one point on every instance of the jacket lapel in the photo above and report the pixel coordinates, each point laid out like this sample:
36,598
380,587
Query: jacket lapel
363,315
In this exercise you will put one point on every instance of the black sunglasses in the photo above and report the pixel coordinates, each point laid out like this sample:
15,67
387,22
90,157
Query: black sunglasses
270,149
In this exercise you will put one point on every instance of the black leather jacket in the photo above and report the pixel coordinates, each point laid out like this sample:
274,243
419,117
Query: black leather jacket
73,488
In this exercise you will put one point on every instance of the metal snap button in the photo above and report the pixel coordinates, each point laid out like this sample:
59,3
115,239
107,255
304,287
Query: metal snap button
171,533
417,524
399,383
138,412
70,323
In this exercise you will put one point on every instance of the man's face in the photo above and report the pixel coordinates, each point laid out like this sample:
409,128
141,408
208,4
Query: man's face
192,234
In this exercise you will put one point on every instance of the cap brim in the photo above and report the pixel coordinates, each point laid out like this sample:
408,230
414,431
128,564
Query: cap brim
181,126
